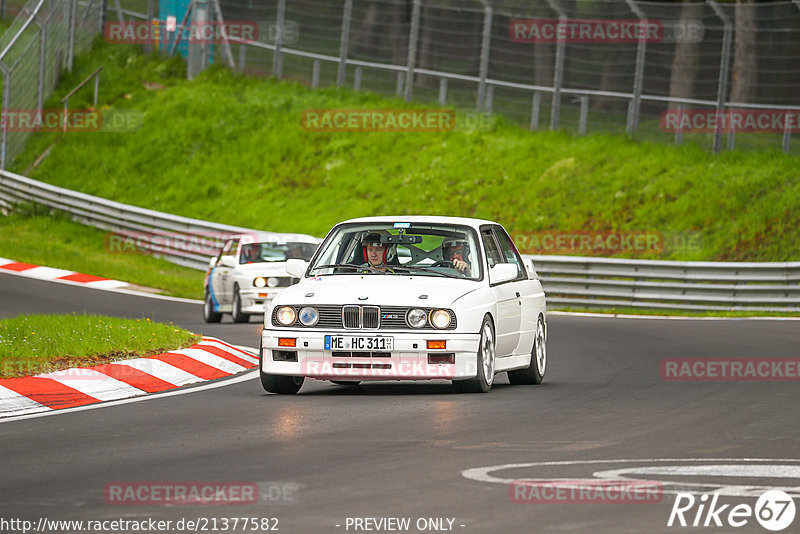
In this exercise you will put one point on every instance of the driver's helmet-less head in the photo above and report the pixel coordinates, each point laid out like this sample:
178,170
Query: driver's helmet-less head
374,240
250,252
455,245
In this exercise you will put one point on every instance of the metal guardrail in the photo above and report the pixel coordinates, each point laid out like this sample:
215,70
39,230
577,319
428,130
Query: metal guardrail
570,281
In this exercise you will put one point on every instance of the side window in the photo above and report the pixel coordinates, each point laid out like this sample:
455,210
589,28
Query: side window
509,251
493,255
229,249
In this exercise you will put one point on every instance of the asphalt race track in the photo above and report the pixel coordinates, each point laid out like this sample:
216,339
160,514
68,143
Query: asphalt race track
395,450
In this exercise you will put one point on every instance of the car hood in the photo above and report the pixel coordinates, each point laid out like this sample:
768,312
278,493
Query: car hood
388,290
277,268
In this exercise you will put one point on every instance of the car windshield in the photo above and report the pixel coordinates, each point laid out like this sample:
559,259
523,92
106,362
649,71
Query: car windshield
272,252
395,248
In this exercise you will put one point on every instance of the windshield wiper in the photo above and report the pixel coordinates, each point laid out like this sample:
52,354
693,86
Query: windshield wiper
332,265
425,269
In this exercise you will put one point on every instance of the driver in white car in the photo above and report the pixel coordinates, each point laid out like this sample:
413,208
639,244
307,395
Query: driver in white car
456,250
377,254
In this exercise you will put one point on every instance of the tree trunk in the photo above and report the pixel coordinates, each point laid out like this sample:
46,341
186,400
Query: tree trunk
744,73
686,61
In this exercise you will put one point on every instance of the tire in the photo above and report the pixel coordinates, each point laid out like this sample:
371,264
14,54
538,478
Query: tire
282,385
346,382
236,309
209,315
485,360
534,374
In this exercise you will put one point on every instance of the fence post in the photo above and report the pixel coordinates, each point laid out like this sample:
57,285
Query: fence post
357,79
558,72
315,74
242,57
489,105
344,42
679,129
535,106
225,46
486,41
4,135
42,58
443,91
277,60
638,77
584,114
2,8
148,46
400,82
722,87
73,16
412,49
787,133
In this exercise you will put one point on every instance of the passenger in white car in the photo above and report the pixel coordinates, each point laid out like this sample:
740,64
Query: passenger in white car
456,250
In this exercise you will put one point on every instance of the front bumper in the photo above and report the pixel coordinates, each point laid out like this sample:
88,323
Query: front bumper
410,359
255,301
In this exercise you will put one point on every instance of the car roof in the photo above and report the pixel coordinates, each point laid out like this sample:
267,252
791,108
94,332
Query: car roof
435,219
274,237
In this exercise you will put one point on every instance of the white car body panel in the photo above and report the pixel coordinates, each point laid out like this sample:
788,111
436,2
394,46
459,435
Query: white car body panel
514,308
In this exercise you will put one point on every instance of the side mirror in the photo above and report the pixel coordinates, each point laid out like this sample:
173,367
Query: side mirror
227,261
296,268
502,272
212,262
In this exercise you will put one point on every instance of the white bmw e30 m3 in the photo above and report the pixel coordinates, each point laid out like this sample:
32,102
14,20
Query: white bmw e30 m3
249,271
408,298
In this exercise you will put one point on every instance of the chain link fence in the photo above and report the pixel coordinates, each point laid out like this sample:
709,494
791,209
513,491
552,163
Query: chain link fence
722,75
705,59
39,44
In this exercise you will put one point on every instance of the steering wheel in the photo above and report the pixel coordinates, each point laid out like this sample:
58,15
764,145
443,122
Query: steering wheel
444,263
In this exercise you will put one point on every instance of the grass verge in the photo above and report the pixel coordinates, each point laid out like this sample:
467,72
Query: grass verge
55,241
33,344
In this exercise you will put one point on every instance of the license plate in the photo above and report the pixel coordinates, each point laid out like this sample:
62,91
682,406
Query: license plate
359,343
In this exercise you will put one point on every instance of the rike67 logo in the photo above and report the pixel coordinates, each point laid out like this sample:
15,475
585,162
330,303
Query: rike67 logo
774,510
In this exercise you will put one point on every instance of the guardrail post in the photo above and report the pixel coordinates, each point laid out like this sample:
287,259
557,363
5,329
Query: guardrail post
722,86
315,74
277,59
558,72
442,91
535,106
73,17
412,49
344,42
638,77
486,41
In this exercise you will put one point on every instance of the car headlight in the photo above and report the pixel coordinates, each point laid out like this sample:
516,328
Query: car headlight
286,315
273,282
308,316
416,318
260,282
440,319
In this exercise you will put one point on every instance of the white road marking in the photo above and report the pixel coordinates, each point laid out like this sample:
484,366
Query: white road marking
250,375
13,402
762,468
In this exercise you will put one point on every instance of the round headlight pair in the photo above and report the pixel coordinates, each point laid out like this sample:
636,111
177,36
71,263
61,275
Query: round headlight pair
287,316
263,282
418,318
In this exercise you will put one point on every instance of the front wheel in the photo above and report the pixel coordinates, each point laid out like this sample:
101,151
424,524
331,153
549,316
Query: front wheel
534,374
485,359
236,312
209,315
284,385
